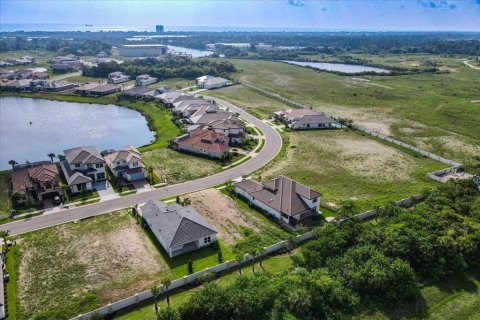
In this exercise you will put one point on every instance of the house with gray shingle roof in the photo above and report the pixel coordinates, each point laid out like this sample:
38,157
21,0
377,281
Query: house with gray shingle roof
301,119
178,229
283,198
81,167
125,163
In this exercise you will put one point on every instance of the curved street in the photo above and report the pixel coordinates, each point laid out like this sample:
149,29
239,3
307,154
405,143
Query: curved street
272,146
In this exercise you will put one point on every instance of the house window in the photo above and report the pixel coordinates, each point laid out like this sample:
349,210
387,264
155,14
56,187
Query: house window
315,200
207,240
77,165
89,165
118,163
135,164
99,165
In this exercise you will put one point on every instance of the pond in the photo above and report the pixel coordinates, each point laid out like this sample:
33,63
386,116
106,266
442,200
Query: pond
32,128
338,67
193,52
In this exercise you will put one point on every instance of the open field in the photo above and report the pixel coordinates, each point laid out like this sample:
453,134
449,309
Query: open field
174,167
81,79
255,103
5,186
75,267
276,264
346,165
435,109
233,220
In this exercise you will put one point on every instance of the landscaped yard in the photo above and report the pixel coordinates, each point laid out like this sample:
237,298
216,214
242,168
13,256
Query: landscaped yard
347,165
431,111
76,267
255,103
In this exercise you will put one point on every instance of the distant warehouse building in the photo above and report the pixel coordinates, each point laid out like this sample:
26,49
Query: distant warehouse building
142,50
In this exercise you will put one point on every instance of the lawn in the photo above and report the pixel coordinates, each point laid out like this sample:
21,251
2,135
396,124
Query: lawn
347,165
5,188
431,111
76,267
276,264
82,79
255,103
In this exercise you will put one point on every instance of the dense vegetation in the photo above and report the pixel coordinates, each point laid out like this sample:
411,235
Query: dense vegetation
79,47
359,265
173,67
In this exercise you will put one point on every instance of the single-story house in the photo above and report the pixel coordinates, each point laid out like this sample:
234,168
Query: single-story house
145,80
318,121
168,98
17,85
86,87
103,90
125,163
203,142
291,115
283,198
38,180
178,229
59,85
81,167
212,82
64,63
136,92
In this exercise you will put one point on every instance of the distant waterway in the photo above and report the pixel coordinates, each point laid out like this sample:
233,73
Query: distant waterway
338,67
32,128
193,52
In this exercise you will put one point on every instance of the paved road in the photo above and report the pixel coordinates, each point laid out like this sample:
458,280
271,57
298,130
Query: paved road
272,147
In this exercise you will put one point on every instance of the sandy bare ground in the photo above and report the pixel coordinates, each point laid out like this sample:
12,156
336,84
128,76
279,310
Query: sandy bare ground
466,62
223,213
109,255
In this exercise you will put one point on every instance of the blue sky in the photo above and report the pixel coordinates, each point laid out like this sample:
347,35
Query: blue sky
417,15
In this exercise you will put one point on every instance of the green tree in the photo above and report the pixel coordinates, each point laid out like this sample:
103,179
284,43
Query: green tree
4,234
230,186
167,282
168,313
190,267
347,209
13,163
155,292
51,156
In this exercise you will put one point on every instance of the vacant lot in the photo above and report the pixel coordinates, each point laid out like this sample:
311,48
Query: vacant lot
5,186
75,267
346,165
233,219
255,103
174,167
438,105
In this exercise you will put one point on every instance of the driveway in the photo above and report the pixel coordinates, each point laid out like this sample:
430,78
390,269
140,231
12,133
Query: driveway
272,146
141,185
105,190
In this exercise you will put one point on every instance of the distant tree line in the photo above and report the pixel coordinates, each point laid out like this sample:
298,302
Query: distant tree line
358,266
173,67
60,46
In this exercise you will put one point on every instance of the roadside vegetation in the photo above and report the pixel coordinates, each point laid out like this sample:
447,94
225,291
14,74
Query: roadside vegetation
5,196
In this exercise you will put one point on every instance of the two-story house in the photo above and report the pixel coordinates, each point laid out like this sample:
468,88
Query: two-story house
125,163
81,167
37,180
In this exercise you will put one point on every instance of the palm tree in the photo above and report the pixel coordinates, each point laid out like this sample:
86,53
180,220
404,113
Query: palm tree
254,254
347,209
13,163
167,282
150,174
155,291
4,234
239,258
51,156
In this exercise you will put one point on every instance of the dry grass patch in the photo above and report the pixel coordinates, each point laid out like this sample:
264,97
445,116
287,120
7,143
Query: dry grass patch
347,165
74,267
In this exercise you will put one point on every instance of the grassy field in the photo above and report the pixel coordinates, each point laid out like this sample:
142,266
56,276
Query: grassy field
255,103
81,79
174,167
347,165
432,111
5,186
276,264
76,267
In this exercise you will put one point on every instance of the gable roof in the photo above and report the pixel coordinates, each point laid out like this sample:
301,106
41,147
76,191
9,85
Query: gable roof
282,194
231,123
204,139
73,177
25,176
174,225
83,155
318,118
128,153
208,117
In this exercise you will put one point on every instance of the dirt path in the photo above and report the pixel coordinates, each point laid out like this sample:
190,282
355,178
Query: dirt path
468,64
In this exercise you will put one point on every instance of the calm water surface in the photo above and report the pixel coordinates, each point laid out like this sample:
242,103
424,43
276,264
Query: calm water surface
339,67
57,126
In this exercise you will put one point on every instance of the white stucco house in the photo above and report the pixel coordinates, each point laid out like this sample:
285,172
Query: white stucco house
81,167
178,229
125,163
209,82
283,198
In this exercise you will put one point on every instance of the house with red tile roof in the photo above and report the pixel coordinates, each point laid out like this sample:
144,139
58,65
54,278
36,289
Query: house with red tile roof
39,180
203,141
